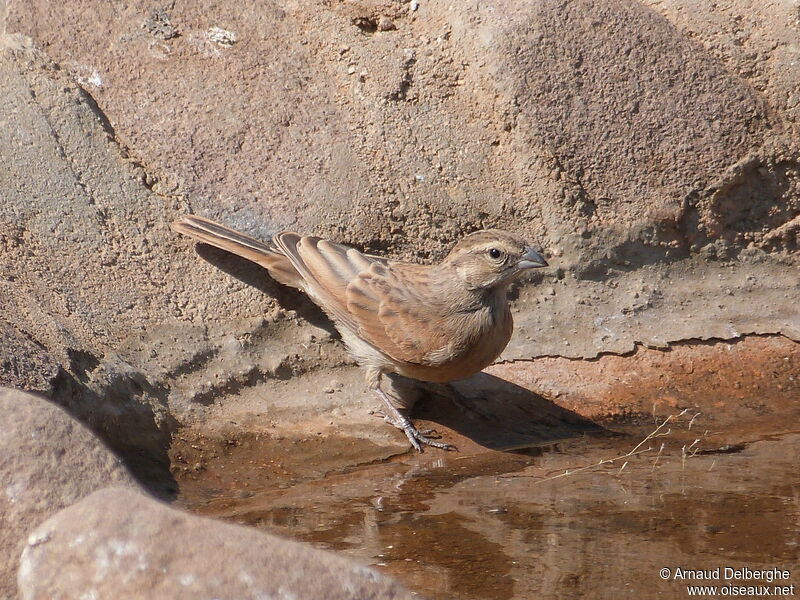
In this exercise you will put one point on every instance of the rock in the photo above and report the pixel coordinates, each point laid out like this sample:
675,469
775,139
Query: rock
23,362
596,98
564,123
667,160
159,26
47,461
120,544
386,24
745,381
78,223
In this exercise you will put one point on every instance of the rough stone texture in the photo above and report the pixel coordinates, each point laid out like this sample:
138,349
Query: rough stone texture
758,45
24,362
92,283
750,383
121,544
652,151
47,461
561,119
639,120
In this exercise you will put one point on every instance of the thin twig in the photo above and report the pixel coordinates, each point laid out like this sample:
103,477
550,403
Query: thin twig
692,421
658,456
656,433
568,472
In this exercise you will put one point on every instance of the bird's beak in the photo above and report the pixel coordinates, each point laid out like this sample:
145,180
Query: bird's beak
531,259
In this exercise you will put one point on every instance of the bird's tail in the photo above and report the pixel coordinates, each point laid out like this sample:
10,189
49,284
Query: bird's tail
209,232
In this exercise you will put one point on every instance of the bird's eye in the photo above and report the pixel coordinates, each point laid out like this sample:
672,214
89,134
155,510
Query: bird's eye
495,253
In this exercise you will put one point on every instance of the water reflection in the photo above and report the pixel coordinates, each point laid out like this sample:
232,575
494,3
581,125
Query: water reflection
492,526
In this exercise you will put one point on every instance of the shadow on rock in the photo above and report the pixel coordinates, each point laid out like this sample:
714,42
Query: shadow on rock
500,415
256,276
129,415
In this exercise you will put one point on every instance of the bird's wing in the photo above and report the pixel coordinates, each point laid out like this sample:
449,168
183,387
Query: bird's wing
327,269
383,302
397,311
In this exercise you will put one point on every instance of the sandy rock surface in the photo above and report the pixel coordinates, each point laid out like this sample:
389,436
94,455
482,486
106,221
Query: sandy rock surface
48,461
651,150
121,544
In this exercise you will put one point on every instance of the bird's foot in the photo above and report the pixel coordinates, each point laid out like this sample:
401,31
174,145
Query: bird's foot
415,436
418,438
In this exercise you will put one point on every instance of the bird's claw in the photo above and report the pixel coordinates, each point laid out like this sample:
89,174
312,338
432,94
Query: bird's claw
415,436
419,439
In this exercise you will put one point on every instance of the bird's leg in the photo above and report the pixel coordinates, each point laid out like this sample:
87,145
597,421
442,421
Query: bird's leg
432,433
399,420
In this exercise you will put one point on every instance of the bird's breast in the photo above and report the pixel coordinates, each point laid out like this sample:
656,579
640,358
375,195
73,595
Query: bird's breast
473,340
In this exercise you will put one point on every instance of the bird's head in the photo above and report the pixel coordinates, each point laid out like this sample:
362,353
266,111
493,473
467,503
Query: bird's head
492,258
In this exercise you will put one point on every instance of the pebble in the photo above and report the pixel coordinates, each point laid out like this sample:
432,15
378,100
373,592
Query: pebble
222,37
386,24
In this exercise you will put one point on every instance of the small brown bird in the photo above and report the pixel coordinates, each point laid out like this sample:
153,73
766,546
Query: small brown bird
435,323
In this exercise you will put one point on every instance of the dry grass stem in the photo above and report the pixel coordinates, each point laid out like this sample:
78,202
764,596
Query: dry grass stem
660,431
692,421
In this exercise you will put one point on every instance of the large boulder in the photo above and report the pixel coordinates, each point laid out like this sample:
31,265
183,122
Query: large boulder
48,461
120,544
596,127
101,307
658,167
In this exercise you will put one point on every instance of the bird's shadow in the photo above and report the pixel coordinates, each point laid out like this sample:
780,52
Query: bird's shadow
491,411
501,415
258,277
